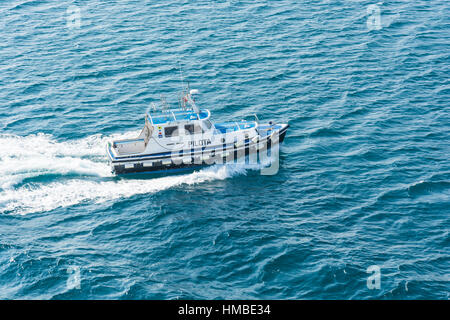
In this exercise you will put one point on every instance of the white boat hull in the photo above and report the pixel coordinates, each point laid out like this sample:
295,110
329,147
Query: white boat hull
200,154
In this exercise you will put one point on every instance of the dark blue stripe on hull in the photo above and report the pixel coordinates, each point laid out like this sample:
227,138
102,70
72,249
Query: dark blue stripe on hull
120,169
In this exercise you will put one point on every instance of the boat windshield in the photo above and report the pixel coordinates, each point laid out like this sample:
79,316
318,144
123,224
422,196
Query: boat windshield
208,124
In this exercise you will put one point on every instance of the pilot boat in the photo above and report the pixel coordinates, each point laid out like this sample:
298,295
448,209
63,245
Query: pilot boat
187,138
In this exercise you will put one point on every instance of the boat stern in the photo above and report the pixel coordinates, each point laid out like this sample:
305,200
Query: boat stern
110,152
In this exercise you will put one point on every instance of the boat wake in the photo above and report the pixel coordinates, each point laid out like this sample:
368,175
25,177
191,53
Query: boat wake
38,174
27,158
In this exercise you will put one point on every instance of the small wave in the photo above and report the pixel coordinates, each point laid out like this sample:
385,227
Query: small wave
429,187
325,132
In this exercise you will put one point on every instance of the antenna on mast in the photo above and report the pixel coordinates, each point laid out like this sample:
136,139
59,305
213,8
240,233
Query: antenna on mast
184,93
164,105
181,77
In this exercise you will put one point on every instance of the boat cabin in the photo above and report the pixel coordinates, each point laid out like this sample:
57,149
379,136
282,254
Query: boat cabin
183,129
173,123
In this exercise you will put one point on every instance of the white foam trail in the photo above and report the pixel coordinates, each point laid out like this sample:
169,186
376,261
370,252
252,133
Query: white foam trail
41,198
36,155
85,171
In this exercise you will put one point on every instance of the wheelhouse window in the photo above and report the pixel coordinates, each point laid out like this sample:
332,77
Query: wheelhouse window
207,124
192,129
171,131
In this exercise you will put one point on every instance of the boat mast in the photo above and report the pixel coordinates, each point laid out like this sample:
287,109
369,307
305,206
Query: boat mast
186,94
183,93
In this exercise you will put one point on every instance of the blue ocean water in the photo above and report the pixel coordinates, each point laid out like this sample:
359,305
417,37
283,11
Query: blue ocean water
364,175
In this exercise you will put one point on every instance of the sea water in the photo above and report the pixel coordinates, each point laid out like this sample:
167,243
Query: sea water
359,208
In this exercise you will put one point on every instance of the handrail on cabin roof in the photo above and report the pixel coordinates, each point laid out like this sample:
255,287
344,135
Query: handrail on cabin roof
176,112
